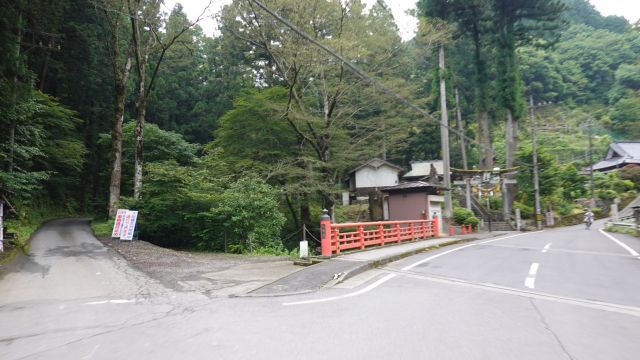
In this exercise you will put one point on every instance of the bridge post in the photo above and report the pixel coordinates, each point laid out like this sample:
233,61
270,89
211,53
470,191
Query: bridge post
325,233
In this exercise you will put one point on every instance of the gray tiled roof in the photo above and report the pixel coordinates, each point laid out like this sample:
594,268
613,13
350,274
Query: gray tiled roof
411,185
620,153
376,163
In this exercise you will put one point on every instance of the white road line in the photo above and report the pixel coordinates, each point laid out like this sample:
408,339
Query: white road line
546,248
409,267
90,355
624,246
359,292
391,276
117,301
530,281
593,304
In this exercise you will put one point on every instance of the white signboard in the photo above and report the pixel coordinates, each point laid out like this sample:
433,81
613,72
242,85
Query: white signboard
129,225
117,225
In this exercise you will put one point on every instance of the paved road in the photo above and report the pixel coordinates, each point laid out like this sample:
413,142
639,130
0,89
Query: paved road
483,300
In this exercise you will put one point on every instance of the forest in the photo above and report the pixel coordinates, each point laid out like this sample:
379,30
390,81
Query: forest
233,142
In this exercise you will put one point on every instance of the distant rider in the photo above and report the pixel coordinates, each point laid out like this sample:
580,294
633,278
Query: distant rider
588,218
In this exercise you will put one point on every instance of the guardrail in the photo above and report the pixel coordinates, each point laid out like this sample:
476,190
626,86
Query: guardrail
336,238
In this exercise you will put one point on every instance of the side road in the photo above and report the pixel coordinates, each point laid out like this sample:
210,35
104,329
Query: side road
66,258
340,268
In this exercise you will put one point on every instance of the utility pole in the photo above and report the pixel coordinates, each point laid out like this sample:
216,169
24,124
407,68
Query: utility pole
463,149
444,137
593,198
536,182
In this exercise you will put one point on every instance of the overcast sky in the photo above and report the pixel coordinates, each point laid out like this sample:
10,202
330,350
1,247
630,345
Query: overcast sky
630,9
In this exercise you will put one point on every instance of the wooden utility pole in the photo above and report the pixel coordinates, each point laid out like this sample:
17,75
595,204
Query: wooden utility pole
593,198
536,185
444,137
463,149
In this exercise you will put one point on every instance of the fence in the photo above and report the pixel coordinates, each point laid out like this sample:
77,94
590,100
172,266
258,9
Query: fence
339,237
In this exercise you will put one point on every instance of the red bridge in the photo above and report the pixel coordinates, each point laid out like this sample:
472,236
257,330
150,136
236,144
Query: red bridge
339,237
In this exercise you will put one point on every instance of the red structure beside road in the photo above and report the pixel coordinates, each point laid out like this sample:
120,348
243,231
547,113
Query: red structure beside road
339,237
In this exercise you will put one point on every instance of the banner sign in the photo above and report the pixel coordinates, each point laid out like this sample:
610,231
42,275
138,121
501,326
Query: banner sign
117,225
129,225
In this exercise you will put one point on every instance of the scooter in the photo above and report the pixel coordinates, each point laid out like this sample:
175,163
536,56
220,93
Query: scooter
588,221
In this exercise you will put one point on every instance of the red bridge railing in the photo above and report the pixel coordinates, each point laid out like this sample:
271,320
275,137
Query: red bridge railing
339,237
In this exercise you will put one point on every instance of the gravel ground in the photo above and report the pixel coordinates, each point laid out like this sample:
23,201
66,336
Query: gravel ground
212,274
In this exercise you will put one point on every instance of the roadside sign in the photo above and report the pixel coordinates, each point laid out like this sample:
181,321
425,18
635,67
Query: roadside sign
118,224
129,225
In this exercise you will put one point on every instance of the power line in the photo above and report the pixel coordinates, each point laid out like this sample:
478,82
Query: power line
361,74
372,81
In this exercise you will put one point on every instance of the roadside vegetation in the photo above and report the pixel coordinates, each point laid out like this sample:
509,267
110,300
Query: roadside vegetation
234,143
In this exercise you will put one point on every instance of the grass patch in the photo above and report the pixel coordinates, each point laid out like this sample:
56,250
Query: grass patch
102,227
23,229
623,230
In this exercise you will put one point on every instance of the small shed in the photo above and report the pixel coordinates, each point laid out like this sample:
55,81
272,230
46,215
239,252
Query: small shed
413,200
373,175
620,154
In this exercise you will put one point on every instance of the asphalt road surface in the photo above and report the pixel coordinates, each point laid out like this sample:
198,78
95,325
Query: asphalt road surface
556,294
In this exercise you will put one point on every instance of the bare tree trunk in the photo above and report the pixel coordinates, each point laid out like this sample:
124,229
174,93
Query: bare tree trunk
141,109
486,152
463,149
511,144
116,136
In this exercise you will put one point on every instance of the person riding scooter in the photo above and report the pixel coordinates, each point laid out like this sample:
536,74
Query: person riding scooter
588,218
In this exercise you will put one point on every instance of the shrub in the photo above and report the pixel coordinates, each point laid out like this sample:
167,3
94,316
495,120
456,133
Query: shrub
248,210
526,212
461,214
474,221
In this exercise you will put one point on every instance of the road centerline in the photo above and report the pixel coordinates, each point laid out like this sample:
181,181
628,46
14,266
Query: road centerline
530,280
546,248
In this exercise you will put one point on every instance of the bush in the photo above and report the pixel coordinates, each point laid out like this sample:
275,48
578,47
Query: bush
461,214
191,207
248,210
631,173
473,221
526,212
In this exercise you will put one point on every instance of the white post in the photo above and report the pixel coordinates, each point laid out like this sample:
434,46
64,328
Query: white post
304,245
518,220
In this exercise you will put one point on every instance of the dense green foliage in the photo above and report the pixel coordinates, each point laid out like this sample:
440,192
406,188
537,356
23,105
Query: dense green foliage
251,133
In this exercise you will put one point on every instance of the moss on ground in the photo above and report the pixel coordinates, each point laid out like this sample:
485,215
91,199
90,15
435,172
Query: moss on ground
102,227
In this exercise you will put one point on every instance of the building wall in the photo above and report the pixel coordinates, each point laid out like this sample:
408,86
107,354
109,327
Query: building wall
368,177
408,206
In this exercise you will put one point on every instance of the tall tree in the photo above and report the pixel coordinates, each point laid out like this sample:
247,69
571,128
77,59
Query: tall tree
326,104
146,23
121,54
518,22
